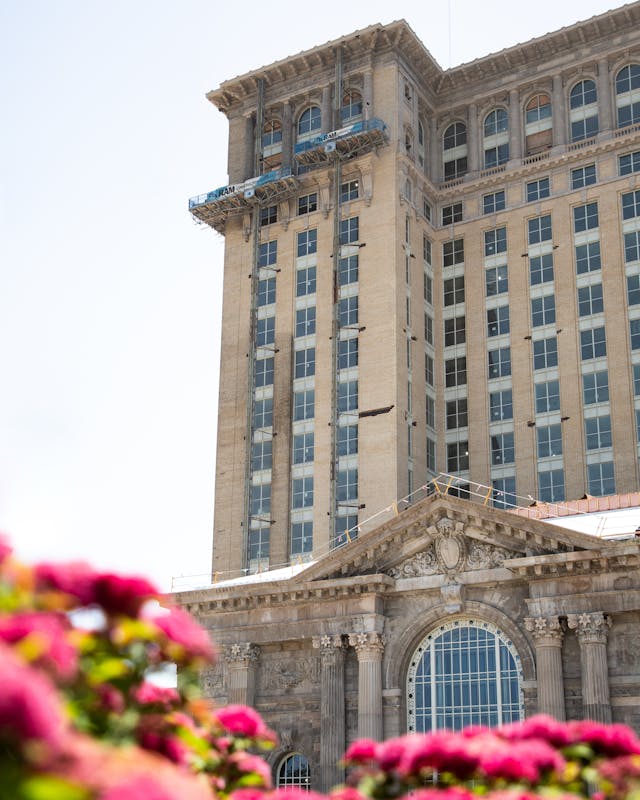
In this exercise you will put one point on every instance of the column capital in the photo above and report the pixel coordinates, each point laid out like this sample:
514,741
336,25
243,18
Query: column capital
550,629
241,653
590,627
368,646
328,643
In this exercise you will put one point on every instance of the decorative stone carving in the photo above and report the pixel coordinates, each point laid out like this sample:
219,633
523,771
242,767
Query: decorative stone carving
486,556
368,646
276,675
424,563
212,680
452,594
593,627
545,628
241,652
328,643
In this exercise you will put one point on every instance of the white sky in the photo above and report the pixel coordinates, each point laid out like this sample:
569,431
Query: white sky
109,294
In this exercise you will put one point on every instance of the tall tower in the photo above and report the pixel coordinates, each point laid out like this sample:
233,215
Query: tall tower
425,271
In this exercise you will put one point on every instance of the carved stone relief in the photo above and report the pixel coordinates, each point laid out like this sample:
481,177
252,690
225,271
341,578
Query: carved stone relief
288,673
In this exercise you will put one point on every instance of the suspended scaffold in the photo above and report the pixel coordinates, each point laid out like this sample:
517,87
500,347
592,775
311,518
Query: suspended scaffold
352,140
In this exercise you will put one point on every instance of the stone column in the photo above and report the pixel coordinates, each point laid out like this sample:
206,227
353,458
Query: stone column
241,660
559,109
592,630
327,111
473,139
287,136
369,648
548,634
332,709
367,94
515,126
605,121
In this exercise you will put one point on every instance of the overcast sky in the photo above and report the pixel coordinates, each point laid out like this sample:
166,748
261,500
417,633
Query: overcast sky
109,293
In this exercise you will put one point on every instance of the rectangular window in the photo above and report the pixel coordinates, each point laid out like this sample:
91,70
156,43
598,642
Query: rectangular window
551,485
457,413
633,290
426,209
543,310
426,249
452,214
499,362
260,500
632,246
590,300
265,331
347,440
305,281
304,404
601,479
305,363
263,413
428,329
628,163
540,229
585,217
302,494
588,257
428,288
636,380
268,215
634,332
430,412
431,455
455,371
347,485
541,269
504,493
348,270
502,449
496,280
267,254
493,202
454,331
583,176
549,440
547,397
307,242
495,241
597,432
258,544
454,291
593,344
453,253
537,190
428,370
301,538
497,320
261,455
457,457
349,230
545,353
303,448
595,387
631,205
501,405
348,311
306,321
266,292
264,372
347,396
308,203
349,191
347,353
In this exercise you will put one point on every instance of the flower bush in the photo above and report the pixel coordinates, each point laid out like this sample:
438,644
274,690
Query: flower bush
82,719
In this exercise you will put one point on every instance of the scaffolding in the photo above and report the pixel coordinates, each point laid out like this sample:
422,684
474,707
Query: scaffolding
353,140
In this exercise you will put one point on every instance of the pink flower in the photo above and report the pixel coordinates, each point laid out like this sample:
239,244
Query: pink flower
242,721
539,727
150,694
140,786
246,763
450,793
248,794
294,793
607,740
111,699
442,750
74,578
361,751
47,634
518,761
389,753
181,629
121,594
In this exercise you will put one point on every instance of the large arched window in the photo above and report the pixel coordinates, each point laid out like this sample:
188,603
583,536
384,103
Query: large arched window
351,109
538,124
293,772
465,672
454,145
583,111
496,138
309,123
628,95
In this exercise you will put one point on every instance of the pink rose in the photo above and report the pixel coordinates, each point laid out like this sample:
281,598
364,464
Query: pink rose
47,631
150,694
74,578
361,751
539,727
181,629
121,594
242,721
607,740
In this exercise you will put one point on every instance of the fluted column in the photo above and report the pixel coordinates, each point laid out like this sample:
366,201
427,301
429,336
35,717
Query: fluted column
605,121
592,630
369,648
473,139
332,709
241,660
515,125
327,115
548,634
287,133
559,112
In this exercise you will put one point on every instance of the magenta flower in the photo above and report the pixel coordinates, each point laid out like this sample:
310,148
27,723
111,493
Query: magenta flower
121,594
293,793
181,629
246,763
390,753
541,726
518,761
607,740
150,694
75,578
361,751
47,632
242,721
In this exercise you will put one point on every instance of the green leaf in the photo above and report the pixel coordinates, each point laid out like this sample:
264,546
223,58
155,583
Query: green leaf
50,787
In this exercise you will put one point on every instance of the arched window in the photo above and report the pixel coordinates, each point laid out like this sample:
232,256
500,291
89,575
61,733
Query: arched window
454,143
496,138
628,95
583,110
538,124
351,106
271,145
465,672
309,123
293,772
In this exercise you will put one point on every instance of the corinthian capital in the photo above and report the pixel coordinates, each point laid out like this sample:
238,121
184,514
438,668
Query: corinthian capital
368,646
328,643
590,627
241,653
549,628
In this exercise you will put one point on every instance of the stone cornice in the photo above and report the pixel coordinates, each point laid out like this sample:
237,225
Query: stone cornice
608,558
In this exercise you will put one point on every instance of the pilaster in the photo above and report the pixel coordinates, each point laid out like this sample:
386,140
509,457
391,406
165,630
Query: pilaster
559,108
605,121
332,709
241,661
548,634
515,126
473,138
592,630
369,648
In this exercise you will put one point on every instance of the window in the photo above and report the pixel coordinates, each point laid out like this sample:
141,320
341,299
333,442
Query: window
305,363
267,253
426,209
455,371
585,217
538,124
306,321
631,205
428,370
428,288
499,362
348,270
351,105
271,133
261,455
633,290
454,291
347,485
348,311
504,493
583,111
601,479
453,253
428,329
588,257
303,448
496,280
349,191
545,353
501,405
265,331
593,344
347,353
455,151
549,440
308,203
537,190
634,331
597,432
258,545
457,456
347,440
583,176
305,281
495,241
263,413
496,138
497,320
347,395
541,269
496,122
590,300
464,672
304,405
431,455
547,397
493,202
260,500
636,379
421,141
266,291
540,229
426,250
457,413
452,214
632,246
302,494
346,530
268,215
595,387
301,542
349,230
430,412
502,450
309,123
551,485
454,331
264,372
629,163
627,95
307,242
543,310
